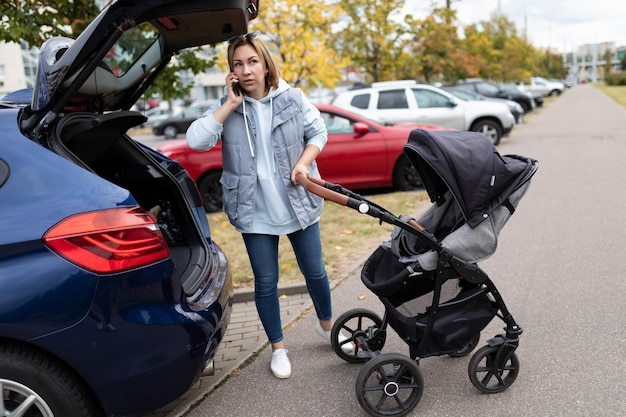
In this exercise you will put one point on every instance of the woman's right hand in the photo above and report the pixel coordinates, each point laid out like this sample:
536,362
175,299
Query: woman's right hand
232,100
235,94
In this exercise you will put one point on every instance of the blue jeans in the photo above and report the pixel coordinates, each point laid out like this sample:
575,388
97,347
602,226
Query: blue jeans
263,254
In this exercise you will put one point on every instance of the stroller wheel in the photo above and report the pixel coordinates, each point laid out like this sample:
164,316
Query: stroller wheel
358,325
389,385
465,350
491,374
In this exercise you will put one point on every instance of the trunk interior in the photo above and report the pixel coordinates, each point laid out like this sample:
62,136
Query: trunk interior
100,144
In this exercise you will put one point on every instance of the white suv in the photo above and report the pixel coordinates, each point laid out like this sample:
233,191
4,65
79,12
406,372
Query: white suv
545,87
410,102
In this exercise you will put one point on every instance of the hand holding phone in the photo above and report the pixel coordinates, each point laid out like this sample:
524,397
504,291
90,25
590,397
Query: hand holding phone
237,89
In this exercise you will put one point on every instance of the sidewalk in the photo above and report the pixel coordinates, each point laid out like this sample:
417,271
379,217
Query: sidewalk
245,337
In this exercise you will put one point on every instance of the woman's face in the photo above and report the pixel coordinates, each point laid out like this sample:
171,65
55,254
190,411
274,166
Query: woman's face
250,69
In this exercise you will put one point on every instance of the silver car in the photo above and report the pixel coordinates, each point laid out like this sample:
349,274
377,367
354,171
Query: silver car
410,102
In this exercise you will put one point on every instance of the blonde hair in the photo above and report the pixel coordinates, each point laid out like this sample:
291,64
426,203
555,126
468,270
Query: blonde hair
273,73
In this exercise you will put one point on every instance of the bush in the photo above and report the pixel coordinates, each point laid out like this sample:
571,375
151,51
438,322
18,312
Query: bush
618,78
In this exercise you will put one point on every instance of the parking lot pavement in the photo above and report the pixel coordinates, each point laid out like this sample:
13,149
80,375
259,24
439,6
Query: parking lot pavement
245,337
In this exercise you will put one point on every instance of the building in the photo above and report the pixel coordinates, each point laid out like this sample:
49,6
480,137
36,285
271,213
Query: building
18,67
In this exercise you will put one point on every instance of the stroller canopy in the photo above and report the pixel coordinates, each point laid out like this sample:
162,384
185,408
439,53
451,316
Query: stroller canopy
469,166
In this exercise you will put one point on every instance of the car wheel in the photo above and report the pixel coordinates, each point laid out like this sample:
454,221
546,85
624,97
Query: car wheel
211,191
170,132
405,177
490,129
39,386
526,106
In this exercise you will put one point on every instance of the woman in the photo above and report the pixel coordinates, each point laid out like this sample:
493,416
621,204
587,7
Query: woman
270,133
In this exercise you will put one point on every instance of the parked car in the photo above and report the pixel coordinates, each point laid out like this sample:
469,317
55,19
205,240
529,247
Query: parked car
537,98
410,102
489,89
360,153
544,86
113,297
155,115
514,107
171,126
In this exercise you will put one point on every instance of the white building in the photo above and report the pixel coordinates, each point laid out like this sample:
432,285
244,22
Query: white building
18,67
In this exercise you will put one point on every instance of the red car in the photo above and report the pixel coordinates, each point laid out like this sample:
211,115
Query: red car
360,153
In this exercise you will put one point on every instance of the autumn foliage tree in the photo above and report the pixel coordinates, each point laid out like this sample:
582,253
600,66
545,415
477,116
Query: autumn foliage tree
372,36
315,44
301,40
436,47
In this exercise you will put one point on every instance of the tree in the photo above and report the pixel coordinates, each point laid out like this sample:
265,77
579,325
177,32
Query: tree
483,58
372,36
549,65
437,48
300,39
49,17
70,17
516,54
608,62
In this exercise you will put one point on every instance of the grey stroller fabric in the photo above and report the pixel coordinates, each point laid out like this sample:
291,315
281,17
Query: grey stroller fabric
474,190
469,244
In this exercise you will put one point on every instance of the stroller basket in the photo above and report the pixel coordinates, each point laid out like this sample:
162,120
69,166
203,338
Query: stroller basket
464,311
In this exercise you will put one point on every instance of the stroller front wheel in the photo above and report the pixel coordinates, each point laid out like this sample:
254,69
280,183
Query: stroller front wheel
361,327
491,373
389,385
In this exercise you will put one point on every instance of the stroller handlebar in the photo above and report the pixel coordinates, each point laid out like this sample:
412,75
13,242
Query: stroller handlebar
345,197
316,186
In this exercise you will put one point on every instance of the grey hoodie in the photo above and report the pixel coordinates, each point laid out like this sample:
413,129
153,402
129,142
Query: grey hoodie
262,141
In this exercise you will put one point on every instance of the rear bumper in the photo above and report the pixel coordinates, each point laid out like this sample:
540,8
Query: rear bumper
149,349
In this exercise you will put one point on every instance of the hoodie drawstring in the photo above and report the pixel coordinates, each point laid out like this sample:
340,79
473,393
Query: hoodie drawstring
245,122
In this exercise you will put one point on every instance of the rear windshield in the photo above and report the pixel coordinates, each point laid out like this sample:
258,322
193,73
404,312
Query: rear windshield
133,43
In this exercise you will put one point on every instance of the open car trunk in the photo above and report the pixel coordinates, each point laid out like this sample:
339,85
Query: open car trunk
99,143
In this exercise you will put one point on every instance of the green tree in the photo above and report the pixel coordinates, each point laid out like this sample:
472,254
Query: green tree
517,56
301,40
372,36
483,58
70,17
608,62
48,18
437,48
549,65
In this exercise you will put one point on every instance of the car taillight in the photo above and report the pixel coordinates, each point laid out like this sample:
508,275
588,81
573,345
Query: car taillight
108,241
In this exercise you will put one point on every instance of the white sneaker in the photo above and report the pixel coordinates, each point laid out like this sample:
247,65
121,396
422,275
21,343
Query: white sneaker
280,365
346,347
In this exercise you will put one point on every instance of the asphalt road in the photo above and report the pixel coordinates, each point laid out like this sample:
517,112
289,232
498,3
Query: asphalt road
558,267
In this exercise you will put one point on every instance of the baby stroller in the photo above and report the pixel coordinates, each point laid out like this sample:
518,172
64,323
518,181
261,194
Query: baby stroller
436,297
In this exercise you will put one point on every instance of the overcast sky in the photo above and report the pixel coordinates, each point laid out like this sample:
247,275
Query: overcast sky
559,24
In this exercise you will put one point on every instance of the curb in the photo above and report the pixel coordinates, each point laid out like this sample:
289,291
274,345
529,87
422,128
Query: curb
243,295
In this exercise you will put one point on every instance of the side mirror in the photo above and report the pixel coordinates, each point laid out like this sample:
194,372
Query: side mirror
360,128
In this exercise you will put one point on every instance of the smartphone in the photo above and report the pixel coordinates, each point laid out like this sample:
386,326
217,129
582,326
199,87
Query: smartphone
237,89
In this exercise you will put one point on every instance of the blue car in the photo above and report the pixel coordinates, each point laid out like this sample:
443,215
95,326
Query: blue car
113,297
